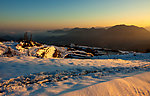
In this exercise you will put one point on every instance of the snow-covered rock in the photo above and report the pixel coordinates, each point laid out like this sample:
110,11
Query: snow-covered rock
30,48
78,54
46,52
6,49
2,48
38,50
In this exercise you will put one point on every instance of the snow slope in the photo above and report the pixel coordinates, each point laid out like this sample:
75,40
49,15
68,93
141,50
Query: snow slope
27,75
137,85
15,66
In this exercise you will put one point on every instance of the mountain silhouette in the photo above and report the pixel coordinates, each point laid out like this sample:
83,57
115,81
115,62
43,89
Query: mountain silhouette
122,37
116,37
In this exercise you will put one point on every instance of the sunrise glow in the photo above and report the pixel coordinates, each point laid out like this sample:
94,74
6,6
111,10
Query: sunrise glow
51,14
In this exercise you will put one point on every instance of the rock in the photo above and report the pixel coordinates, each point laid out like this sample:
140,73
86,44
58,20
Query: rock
47,52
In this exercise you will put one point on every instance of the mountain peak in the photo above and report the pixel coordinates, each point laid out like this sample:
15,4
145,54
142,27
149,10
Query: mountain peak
127,28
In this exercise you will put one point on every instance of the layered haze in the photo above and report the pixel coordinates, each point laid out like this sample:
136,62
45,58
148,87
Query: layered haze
124,37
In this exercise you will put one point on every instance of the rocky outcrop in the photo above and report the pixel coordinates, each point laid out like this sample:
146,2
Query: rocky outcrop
48,52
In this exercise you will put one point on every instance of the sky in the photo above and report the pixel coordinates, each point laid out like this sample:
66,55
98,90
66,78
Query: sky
56,14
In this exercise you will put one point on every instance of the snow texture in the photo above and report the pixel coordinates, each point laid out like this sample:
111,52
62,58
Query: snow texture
108,75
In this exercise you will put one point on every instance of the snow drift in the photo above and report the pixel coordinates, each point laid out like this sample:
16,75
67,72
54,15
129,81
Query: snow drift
137,85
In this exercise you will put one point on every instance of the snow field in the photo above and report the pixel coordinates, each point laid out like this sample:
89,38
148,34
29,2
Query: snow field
28,75
25,74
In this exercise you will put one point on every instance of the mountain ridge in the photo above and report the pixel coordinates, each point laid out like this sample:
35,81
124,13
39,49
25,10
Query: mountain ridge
124,37
117,37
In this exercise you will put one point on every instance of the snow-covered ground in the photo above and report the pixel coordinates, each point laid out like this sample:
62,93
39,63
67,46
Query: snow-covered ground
102,75
29,75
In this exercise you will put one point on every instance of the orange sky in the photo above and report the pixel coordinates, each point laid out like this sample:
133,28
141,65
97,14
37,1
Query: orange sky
51,14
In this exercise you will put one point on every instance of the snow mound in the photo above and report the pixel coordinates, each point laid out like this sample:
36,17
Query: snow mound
137,85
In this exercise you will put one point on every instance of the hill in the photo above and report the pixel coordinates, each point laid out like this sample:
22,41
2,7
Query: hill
116,37
123,37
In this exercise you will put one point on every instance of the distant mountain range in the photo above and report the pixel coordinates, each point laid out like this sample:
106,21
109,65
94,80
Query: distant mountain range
122,37
116,37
